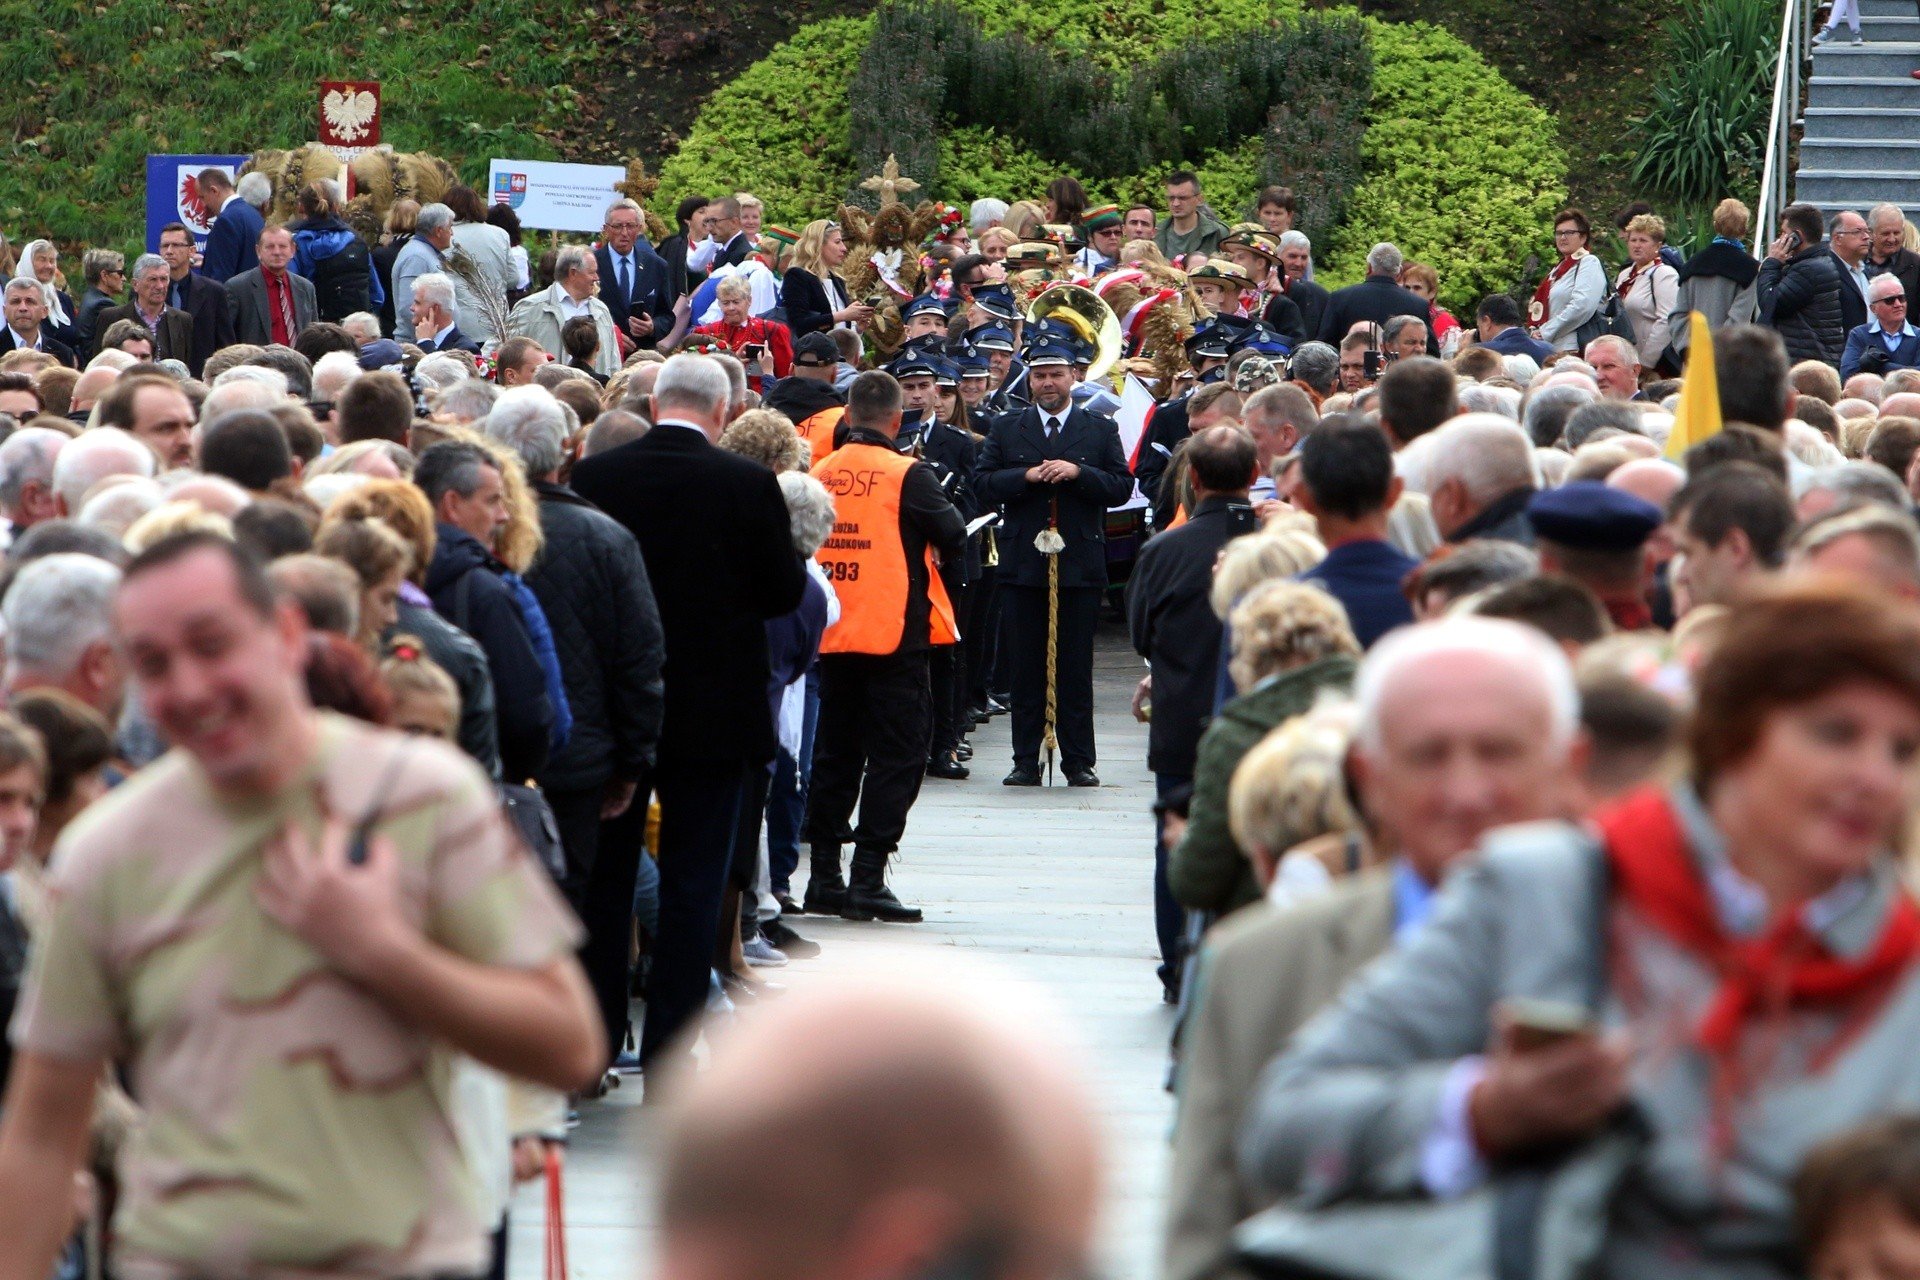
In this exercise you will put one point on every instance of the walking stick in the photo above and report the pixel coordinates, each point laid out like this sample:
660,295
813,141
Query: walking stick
1050,544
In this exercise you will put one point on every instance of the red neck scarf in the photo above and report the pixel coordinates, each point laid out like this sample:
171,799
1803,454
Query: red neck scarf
1784,966
1538,308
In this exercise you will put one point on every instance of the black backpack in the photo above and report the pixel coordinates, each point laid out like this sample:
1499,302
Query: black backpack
342,282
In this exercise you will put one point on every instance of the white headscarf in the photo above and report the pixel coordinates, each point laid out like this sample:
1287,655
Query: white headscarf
56,314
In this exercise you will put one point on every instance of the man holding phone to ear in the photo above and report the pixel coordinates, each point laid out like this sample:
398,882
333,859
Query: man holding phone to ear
288,1015
1798,289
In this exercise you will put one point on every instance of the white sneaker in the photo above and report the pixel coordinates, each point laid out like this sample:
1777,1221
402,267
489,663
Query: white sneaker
762,954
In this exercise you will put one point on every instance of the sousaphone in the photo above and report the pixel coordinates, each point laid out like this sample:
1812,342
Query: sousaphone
1088,315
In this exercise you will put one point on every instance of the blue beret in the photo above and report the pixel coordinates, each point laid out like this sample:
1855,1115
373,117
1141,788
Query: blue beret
1590,516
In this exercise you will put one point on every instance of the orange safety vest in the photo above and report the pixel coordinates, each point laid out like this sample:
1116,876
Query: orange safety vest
817,430
865,558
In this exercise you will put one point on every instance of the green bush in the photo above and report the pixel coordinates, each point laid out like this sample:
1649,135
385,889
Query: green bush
1459,168
1708,128
1317,126
94,88
778,130
1463,172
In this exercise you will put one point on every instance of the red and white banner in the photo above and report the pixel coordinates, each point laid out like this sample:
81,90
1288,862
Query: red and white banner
1136,412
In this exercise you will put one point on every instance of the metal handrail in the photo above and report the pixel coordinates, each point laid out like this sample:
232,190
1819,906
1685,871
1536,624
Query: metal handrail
1776,177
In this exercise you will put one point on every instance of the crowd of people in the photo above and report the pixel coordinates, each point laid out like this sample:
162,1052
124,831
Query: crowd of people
419,651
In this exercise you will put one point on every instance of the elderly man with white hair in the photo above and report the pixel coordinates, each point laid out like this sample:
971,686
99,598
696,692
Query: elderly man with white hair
1463,725
362,326
717,582
1375,300
592,583
542,315
331,374
26,478
1616,367
1479,475
93,456
1545,411
435,320
1888,339
58,620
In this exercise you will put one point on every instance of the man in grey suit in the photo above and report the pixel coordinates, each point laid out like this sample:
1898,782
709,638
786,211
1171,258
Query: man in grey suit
270,303
1464,725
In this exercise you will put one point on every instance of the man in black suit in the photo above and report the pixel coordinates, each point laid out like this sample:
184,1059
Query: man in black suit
1375,300
633,278
172,328
1850,240
713,530
203,299
1054,466
26,311
723,222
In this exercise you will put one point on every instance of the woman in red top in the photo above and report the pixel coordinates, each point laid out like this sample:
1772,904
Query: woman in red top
1423,281
764,346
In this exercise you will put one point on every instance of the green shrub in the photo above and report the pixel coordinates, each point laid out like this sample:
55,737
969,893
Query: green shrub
1317,126
1462,170
779,129
1708,128
94,88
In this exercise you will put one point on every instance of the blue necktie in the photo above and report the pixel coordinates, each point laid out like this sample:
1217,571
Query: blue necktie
626,278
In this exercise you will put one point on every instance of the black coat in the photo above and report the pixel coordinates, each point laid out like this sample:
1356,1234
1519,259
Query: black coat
592,582
719,551
383,257
1312,299
652,292
1853,303
85,328
1377,299
466,662
1174,627
805,301
800,398
680,279
212,312
1903,266
48,343
464,584
1015,443
1800,299
1282,315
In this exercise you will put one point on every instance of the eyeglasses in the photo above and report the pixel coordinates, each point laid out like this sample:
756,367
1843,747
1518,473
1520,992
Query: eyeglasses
1561,233
1891,300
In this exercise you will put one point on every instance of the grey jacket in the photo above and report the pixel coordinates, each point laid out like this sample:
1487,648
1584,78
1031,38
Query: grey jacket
1721,300
1346,1111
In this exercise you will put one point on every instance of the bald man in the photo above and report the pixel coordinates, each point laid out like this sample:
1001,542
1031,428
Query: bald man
932,1135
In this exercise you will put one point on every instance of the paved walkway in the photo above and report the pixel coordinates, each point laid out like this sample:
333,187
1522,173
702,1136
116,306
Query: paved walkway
1053,886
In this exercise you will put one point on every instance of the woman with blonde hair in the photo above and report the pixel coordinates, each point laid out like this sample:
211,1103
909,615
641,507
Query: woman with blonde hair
1719,281
1291,643
995,242
769,438
403,216
813,294
1024,219
1647,287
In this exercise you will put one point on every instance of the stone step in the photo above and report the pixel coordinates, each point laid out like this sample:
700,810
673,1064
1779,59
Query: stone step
1889,58
1864,91
1890,124
1900,27
1851,189
1886,9
1859,155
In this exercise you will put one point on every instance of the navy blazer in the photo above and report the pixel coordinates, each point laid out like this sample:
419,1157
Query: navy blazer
1861,340
805,301
230,245
1015,443
651,294
451,340
1515,341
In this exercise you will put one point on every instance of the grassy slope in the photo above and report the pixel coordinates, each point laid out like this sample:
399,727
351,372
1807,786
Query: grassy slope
95,88
1587,64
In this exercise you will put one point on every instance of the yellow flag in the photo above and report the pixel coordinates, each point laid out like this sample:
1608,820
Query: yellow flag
1699,413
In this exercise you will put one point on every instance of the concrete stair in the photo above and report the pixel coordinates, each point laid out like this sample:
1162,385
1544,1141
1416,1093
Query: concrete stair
1861,129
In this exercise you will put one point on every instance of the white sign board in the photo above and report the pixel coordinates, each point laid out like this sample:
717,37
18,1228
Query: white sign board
555,197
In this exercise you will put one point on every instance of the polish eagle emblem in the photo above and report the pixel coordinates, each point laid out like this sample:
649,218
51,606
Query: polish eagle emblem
349,113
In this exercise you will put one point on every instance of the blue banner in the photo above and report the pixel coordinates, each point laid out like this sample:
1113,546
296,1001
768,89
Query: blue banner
173,195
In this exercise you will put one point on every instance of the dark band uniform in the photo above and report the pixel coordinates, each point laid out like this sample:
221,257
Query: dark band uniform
1017,442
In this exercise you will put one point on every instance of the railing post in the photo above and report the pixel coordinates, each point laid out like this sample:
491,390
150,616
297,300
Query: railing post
1774,177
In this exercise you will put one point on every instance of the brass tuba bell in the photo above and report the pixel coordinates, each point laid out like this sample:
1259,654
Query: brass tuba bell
1087,314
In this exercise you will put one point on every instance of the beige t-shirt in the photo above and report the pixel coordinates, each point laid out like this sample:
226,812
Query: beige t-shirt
292,1124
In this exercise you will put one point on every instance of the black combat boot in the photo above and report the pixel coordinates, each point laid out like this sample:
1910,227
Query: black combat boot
868,897
826,891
